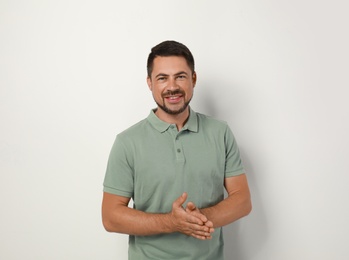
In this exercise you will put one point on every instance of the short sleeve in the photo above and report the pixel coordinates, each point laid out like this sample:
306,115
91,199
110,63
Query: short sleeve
233,163
119,174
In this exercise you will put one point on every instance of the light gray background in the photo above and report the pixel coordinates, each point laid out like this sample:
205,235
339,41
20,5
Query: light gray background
72,75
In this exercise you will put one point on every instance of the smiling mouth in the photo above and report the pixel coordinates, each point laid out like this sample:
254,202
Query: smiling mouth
173,99
172,95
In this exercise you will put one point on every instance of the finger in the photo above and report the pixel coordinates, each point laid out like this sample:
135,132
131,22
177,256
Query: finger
201,233
209,230
201,237
194,218
193,210
180,200
198,229
198,215
209,224
190,206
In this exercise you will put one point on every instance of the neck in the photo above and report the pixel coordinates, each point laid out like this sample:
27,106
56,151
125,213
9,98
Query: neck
179,120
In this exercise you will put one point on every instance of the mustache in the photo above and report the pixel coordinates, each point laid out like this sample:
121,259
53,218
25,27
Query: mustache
169,93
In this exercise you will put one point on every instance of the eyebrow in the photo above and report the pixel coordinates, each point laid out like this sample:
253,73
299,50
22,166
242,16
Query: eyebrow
165,75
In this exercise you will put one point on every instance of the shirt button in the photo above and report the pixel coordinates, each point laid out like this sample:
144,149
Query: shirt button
178,150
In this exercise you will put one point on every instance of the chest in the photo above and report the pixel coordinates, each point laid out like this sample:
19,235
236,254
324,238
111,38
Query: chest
187,162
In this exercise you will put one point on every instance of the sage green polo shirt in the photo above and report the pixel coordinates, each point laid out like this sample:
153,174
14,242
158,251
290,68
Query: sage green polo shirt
153,163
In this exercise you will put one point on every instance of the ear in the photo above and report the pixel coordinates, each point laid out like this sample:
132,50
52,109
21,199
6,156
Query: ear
194,78
149,83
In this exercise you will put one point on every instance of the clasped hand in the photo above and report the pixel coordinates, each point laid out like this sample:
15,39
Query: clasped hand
190,221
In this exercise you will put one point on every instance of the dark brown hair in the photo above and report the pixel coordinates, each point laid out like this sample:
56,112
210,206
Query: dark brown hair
170,48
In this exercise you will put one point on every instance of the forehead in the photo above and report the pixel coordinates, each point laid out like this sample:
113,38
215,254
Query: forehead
170,65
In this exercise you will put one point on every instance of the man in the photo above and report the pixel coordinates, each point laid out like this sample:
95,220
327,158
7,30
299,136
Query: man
173,156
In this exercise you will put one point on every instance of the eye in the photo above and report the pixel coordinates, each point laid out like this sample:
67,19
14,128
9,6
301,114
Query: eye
181,77
161,78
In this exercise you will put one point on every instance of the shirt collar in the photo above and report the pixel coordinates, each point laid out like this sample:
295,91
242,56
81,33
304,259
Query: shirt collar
161,126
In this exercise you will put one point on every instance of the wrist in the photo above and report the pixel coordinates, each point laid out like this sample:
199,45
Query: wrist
168,223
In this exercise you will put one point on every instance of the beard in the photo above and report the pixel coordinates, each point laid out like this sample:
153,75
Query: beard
167,109
173,112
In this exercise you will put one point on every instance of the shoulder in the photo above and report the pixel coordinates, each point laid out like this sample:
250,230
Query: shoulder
206,121
216,128
127,140
134,131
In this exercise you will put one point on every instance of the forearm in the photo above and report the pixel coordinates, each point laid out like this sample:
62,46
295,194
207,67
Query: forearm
228,210
118,217
134,222
235,206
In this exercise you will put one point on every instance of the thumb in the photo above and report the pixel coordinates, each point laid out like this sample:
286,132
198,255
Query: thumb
191,208
180,200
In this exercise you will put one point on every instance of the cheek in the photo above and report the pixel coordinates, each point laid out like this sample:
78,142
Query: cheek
158,90
157,93
190,90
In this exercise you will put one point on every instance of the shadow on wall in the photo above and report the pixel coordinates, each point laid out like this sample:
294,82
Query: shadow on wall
244,238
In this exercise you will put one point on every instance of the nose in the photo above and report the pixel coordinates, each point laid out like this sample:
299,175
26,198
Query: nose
172,85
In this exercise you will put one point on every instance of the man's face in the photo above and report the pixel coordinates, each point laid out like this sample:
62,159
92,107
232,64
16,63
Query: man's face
172,83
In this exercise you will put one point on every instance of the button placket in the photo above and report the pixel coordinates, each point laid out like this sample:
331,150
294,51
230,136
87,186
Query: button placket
179,148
